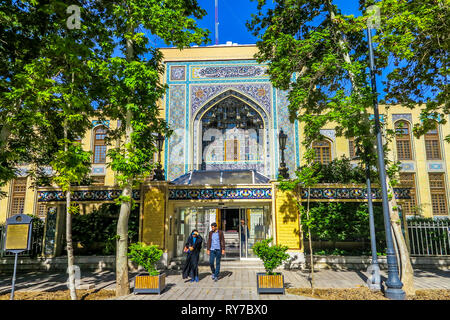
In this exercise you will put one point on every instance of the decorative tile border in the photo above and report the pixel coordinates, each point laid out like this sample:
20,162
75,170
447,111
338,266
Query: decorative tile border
372,117
100,122
266,193
98,170
22,171
350,193
228,71
284,123
407,166
201,94
177,73
220,193
403,116
49,237
435,167
176,117
83,195
329,133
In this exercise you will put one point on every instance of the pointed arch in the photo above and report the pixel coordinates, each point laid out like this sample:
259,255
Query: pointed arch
262,165
230,93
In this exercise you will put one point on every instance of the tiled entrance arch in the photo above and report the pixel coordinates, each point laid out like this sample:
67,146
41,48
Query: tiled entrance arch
264,168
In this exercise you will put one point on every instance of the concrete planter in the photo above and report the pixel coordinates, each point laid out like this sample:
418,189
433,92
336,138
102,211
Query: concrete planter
149,284
266,283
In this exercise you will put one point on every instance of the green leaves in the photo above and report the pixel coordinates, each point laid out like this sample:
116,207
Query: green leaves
132,84
146,256
348,222
320,56
272,256
71,165
97,231
413,42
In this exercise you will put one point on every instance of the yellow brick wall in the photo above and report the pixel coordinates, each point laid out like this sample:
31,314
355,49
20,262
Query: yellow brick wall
153,216
286,220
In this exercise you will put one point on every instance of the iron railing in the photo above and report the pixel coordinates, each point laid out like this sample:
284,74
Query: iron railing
429,238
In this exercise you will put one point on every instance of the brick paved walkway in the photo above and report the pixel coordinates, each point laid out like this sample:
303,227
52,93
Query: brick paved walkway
235,283
240,284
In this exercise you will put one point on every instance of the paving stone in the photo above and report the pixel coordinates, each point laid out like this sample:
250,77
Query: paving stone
235,283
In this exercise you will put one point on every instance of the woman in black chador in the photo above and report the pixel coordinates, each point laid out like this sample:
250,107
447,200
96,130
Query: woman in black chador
192,248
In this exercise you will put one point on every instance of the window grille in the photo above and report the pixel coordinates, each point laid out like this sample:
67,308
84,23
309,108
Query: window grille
99,145
407,180
432,145
322,150
403,140
19,190
438,197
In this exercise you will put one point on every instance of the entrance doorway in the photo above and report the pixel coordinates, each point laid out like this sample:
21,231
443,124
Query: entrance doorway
229,220
229,224
242,227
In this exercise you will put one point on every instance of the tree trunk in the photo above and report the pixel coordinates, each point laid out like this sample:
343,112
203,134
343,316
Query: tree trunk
69,244
311,253
70,255
122,281
404,260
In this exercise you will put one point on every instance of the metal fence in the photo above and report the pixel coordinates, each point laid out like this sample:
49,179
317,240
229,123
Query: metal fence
36,243
429,238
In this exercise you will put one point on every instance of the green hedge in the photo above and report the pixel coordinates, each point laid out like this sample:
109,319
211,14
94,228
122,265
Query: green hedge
345,222
96,231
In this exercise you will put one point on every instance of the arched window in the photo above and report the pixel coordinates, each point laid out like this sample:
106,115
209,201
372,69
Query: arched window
99,145
323,151
403,140
432,144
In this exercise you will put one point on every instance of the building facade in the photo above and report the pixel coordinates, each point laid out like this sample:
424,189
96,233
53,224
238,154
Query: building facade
222,160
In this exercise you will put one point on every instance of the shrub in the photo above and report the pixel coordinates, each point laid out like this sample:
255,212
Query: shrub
271,256
145,256
96,231
345,221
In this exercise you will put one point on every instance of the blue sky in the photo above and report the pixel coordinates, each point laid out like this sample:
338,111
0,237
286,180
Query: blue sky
233,14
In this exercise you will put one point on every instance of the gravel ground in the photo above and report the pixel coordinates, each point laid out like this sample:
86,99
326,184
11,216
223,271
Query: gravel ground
366,294
325,294
60,295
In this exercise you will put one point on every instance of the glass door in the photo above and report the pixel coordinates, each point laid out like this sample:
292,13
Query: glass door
230,226
253,227
191,218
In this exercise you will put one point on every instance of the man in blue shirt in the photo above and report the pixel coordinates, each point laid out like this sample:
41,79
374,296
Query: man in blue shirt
215,248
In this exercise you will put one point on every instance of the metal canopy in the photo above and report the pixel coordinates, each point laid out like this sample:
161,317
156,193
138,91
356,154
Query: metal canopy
221,177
